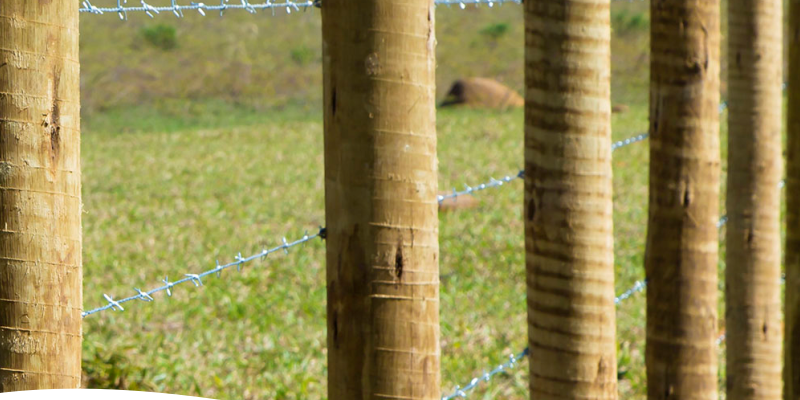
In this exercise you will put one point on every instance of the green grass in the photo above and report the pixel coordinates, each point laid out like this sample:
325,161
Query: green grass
262,61
196,153
167,202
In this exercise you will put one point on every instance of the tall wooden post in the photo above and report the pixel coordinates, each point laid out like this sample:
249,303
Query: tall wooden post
755,166
791,363
568,203
380,199
40,195
682,237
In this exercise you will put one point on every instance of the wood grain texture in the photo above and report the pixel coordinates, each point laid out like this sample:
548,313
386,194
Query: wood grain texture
40,195
682,237
791,362
568,200
755,167
380,199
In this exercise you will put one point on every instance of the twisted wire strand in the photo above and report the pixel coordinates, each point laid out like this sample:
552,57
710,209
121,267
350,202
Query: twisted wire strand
197,279
122,9
177,9
495,183
636,288
461,392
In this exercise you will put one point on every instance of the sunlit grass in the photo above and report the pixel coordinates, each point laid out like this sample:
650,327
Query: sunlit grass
219,165
165,204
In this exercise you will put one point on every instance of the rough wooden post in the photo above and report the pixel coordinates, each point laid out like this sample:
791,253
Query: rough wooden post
755,167
791,364
40,195
682,236
380,199
568,204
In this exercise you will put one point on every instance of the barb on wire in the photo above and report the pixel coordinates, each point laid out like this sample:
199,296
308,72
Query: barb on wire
122,9
197,279
629,141
637,287
176,9
494,183
487,376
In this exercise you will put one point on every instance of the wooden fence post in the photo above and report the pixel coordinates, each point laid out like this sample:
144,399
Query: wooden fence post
791,362
568,203
755,167
380,199
40,195
682,236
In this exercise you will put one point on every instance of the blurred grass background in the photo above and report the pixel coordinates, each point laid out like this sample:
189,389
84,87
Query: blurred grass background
202,138
261,62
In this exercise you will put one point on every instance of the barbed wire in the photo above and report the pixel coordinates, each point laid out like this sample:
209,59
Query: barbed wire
513,359
487,376
176,9
495,183
197,279
122,9
637,287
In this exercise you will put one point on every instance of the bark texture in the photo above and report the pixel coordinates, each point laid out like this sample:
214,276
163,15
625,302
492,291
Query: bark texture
40,195
568,204
682,237
791,364
755,167
380,199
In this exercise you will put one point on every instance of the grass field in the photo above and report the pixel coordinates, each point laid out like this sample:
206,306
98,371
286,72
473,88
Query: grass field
170,202
175,178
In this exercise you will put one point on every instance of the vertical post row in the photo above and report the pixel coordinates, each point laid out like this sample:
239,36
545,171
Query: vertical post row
682,236
380,199
568,200
755,167
791,363
40,195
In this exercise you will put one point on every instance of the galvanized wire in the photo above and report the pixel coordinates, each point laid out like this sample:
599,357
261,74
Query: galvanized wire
197,279
122,9
177,9
495,183
514,359
636,288
487,376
